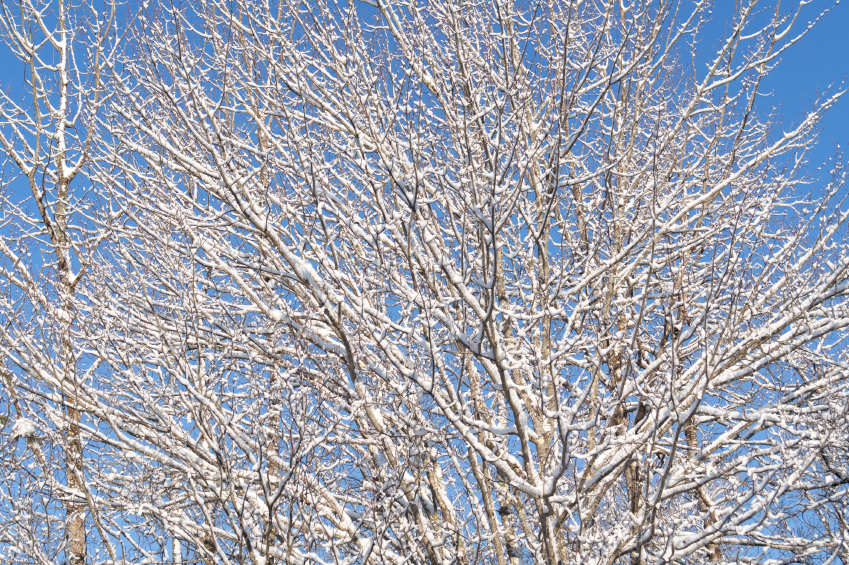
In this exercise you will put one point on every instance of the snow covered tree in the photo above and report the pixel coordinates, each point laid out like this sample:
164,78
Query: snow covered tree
453,282
47,244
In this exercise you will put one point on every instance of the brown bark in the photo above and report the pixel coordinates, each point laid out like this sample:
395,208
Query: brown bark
75,529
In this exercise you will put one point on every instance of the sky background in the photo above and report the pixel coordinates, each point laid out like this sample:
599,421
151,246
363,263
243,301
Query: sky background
820,60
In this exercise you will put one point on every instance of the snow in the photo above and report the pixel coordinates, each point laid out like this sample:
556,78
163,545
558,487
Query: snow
23,428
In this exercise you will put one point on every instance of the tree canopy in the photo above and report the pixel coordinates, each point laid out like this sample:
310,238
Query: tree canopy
427,283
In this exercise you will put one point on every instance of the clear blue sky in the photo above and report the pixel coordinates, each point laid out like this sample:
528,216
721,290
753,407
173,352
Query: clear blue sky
819,60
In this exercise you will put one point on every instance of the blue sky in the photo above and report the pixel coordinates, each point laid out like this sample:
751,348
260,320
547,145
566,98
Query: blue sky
820,60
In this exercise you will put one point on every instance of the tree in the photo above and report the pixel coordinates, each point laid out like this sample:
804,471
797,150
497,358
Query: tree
47,243
454,283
